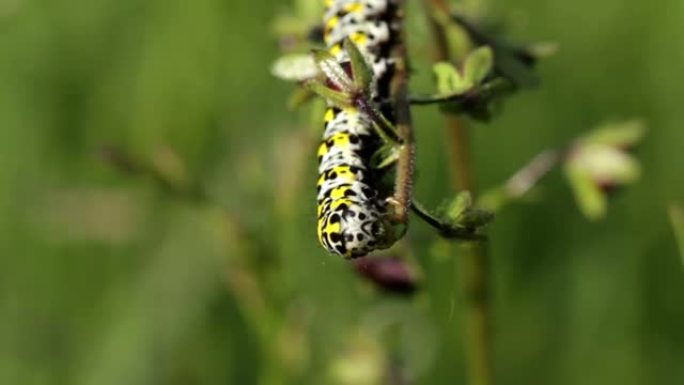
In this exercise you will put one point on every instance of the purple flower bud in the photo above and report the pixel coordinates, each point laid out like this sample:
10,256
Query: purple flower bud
390,274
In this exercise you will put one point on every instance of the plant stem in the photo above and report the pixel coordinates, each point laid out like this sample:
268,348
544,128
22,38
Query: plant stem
480,92
528,176
446,230
475,270
474,258
459,154
402,109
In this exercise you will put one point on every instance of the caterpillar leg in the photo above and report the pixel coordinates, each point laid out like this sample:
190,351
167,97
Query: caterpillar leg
395,208
396,215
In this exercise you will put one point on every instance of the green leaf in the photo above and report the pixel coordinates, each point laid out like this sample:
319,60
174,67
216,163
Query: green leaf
475,218
590,199
295,67
459,205
361,73
333,70
461,214
385,156
337,98
449,80
605,163
478,65
619,134
321,55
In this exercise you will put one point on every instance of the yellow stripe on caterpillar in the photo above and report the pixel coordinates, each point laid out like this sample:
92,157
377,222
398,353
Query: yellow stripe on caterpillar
353,8
329,115
339,192
340,139
322,149
329,25
335,49
339,202
340,174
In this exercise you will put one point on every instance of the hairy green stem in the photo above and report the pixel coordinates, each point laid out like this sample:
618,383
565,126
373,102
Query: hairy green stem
384,128
474,258
402,108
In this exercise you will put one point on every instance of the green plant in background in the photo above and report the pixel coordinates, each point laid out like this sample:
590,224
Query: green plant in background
473,72
157,206
677,218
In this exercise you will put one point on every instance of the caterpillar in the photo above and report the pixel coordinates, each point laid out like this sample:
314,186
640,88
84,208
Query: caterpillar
352,210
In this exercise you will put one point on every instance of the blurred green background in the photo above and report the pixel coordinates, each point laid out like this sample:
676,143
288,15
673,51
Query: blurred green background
106,278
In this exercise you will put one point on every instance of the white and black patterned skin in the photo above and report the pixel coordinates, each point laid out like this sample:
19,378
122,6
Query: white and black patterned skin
351,207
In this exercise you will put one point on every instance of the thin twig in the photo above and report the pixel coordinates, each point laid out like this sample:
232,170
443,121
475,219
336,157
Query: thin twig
425,215
474,261
528,176
446,230
486,90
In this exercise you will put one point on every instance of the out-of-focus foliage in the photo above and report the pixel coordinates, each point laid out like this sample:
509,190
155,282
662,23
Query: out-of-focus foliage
677,218
599,161
117,277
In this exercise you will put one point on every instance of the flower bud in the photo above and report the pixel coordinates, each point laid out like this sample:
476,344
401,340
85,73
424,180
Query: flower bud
390,274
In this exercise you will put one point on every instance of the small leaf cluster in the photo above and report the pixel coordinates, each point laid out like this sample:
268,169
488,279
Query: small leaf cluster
458,218
486,69
600,161
469,90
463,217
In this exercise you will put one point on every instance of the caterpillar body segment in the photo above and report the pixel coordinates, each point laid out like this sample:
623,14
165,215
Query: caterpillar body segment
352,228
365,8
349,120
353,214
339,158
364,34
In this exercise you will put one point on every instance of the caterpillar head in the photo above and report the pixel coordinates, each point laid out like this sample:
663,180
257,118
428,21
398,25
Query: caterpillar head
353,229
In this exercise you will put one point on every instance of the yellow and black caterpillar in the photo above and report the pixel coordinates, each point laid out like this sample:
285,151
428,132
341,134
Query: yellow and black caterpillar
352,207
